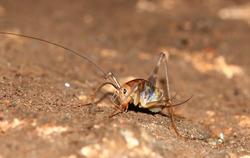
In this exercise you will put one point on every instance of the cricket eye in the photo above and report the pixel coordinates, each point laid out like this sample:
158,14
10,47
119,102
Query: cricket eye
124,91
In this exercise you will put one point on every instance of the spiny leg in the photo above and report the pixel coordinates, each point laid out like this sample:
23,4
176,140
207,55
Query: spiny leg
167,91
105,95
97,90
176,116
152,79
161,104
114,82
171,113
166,55
170,108
111,76
119,109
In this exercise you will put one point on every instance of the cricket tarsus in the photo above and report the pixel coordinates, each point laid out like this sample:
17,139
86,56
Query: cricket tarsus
60,46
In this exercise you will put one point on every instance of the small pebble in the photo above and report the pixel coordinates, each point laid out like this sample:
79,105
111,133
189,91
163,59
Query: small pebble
130,139
245,156
221,136
91,150
67,84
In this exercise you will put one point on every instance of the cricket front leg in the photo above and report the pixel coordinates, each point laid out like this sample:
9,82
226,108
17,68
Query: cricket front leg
119,109
99,100
111,76
93,96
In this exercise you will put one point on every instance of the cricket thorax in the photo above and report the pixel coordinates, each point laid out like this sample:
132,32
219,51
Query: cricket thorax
140,92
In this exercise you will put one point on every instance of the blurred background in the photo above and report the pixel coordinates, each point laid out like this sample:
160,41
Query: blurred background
42,86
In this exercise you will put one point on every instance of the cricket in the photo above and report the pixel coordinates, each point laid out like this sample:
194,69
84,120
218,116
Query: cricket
142,93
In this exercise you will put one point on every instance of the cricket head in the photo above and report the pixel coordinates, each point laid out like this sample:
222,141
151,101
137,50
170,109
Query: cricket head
127,92
124,93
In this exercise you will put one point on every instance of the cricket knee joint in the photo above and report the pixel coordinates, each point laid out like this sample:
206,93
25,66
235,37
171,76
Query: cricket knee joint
165,54
108,75
111,76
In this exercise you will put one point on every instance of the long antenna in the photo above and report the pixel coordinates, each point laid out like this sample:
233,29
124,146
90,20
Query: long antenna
60,46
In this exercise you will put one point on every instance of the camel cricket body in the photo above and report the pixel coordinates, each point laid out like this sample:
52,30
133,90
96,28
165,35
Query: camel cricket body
144,94
140,92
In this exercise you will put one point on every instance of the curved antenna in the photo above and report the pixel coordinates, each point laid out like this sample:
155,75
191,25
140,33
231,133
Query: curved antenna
182,102
60,46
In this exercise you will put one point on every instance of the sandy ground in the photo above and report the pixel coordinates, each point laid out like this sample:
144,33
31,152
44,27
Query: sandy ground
43,88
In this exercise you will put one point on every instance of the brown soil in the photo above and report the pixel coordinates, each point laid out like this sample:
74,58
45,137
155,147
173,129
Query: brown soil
208,41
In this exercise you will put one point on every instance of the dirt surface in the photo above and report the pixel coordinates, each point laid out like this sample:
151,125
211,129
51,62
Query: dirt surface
43,88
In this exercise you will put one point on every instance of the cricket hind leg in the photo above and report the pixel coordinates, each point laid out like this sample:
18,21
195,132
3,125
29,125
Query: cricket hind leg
168,104
171,105
167,94
153,77
178,117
